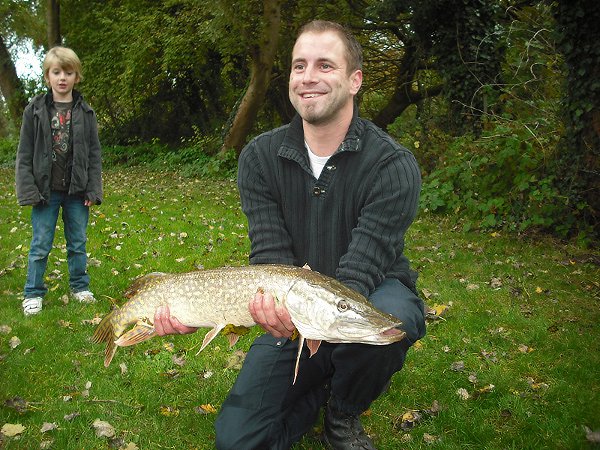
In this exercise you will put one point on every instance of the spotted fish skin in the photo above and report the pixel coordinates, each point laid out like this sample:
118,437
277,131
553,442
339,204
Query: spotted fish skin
321,308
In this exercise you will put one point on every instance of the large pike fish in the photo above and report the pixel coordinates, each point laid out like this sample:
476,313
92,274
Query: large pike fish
321,308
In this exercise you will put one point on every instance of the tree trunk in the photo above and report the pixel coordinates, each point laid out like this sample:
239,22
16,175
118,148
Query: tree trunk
53,23
11,86
404,94
260,75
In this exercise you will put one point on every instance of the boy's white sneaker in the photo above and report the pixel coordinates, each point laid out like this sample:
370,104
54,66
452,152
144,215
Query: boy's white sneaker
84,297
32,306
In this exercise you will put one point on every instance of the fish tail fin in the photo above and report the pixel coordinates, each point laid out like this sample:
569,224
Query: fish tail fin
105,333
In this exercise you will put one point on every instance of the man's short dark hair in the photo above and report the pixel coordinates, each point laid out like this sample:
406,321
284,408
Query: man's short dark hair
353,49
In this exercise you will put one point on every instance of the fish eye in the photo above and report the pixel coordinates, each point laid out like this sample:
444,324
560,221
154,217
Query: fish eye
342,306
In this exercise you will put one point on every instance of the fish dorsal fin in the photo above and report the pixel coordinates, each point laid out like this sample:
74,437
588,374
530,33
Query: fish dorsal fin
211,335
313,345
141,282
142,331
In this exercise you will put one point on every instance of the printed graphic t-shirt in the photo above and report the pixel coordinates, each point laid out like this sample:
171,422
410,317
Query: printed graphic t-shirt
60,123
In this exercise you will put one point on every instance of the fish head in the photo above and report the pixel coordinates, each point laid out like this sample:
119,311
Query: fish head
330,311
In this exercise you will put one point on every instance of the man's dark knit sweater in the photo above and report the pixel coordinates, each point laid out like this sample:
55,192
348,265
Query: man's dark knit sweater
350,223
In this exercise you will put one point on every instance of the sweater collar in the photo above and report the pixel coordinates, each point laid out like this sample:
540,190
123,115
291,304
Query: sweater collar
293,146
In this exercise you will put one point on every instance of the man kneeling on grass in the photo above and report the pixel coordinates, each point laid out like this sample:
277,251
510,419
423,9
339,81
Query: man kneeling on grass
334,191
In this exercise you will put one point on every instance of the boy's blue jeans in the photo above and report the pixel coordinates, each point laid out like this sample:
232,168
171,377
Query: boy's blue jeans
75,216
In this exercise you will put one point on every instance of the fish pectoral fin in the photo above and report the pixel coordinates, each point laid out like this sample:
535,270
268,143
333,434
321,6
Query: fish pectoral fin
300,344
313,345
142,331
232,338
211,335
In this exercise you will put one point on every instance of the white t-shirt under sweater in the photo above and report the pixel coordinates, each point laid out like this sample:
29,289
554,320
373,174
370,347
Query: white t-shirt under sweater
316,162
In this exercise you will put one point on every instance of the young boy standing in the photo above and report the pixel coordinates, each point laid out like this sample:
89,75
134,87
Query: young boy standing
58,166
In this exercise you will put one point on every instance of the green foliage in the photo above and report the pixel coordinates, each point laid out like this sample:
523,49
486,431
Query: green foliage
196,157
463,37
580,149
8,151
501,181
152,70
522,73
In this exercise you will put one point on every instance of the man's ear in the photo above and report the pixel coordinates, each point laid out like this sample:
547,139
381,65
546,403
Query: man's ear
356,81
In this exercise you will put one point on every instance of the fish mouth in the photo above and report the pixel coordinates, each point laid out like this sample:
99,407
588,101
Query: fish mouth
387,336
349,335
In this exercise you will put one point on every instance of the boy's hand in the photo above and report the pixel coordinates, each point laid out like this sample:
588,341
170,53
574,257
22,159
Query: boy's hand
275,319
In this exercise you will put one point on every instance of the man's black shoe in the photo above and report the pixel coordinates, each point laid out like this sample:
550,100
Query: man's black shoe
345,432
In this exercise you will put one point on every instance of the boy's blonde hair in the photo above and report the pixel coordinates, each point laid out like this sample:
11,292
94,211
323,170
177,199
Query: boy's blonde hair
66,58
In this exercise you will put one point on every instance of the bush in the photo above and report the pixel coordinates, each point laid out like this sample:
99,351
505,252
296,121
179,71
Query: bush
197,157
8,151
501,180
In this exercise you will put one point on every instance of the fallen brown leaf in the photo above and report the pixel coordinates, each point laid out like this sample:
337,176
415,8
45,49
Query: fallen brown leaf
12,429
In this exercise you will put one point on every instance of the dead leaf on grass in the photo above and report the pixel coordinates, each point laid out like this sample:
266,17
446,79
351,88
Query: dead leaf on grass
458,366
48,426
536,385
489,356
103,429
525,349
496,283
236,360
5,329
413,417
418,345
130,446
14,342
65,324
592,436
178,360
12,429
463,394
95,321
70,417
430,438
205,409
169,411
46,444
169,346
171,373
19,404
486,389
436,311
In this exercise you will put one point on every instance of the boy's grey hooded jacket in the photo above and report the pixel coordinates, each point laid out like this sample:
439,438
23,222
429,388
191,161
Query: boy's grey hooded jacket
34,155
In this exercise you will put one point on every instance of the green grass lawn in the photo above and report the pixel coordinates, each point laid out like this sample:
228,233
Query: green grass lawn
513,362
